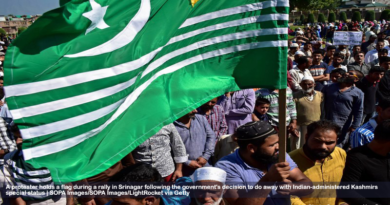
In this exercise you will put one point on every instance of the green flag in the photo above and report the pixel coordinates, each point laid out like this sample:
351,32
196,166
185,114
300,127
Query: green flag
90,81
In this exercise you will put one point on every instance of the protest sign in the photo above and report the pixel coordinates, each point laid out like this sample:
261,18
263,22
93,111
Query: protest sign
351,38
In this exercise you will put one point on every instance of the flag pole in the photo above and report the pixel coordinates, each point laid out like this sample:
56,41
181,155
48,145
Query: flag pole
282,124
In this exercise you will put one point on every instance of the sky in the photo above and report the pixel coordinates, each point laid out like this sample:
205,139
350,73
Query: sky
27,7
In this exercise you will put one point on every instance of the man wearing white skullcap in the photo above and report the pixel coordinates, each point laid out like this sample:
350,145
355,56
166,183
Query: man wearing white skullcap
212,177
309,109
297,55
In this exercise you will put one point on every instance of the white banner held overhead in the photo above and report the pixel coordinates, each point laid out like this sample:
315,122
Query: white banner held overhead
350,38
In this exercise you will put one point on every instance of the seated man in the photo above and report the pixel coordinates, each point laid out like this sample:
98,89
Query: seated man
209,176
318,157
255,163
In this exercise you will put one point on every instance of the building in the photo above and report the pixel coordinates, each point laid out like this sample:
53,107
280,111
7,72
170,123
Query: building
11,24
364,5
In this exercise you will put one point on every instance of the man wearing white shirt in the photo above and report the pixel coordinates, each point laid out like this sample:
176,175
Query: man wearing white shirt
373,54
297,75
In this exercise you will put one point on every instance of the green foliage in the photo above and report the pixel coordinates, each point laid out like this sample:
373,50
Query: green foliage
321,18
332,17
302,19
343,17
310,18
356,16
2,32
370,16
385,15
21,29
310,5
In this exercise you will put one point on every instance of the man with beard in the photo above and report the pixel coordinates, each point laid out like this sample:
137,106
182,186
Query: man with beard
215,115
321,161
198,138
359,64
255,163
308,103
338,59
373,55
344,106
209,177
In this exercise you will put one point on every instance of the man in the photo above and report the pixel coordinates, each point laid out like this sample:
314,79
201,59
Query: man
344,106
370,44
319,70
330,51
343,49
373,55
309,108
209,177
321,161
338,59
302,70
254,163
198,138
359,64
355,50
215,115
382,36
385,63
368,85
297,55
165,151
368,164
381,53
292,51
238,107
365,133
308,49
317,44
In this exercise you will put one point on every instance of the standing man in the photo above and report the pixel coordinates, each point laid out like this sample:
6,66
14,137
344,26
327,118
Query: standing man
321,161
238,107
372,55
215,115
337,62
308,49
381,53
330,51
255,163
344,106
370,44
302,70
198,138
356,49
359,64
319,71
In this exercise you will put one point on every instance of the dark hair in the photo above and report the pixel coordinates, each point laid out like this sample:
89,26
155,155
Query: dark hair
384,103
355,46
308,43
338,55
383,41
338,70
262,101
385,59
359,53
302,60
383,50
359,74
331,48
322,125
317,52
382,131
322,51
376,69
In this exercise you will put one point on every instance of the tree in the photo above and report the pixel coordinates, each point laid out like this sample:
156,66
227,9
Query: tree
311,5
310,18
332,17
385,15
321,18
21,29
356,16
2,32
302,19
370,16
343,17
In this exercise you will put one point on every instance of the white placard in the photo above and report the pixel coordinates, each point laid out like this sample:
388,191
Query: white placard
349,38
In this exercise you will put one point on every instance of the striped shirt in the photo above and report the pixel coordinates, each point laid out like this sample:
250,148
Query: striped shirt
364,134
216,119
273,111
7,141
20,173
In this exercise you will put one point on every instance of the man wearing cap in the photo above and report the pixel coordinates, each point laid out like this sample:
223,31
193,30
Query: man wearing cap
309,105
255,163
292,51
209,177
297,55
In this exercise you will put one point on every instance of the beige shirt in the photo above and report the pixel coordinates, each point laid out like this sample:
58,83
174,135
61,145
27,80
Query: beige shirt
224,147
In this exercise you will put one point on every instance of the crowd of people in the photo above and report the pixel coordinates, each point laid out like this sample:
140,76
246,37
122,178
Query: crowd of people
338,123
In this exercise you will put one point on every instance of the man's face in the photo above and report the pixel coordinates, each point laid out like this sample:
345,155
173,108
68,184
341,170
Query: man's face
268,152
359,57
210,104
309,62
321,143
126,200
317,46
330,52
382,54
348,78
376,76
337,61
209,196
317,58
385,65
379,45
192,113
342,47
357,49
307,86
262,109
293,49
334,77
308,47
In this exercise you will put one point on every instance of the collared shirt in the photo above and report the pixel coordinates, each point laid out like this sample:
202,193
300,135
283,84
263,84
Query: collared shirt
238,108
364,68
240,173
199,139
297,76
364,134
216,119
273,111
156,150
7,141
340,107
329,172
371,56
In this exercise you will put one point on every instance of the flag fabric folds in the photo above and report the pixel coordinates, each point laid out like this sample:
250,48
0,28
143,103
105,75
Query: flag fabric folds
90,81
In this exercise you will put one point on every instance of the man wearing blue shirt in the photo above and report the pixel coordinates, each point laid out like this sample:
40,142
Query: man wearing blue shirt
255,163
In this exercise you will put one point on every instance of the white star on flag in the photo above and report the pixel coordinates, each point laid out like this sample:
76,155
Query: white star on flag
96,15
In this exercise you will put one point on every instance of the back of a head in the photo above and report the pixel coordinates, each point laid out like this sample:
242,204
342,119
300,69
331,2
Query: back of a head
384,103
382,131
383,50
302,60
376,69
323,125
139,172
331,48
339,71
385,59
